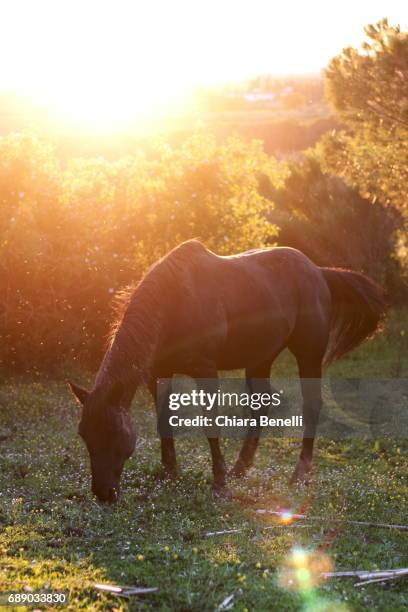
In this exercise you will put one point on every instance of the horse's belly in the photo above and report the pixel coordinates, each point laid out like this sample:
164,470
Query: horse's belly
256,343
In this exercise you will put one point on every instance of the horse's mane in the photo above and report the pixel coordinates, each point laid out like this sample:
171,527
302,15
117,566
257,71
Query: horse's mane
120,304
157,277
138,308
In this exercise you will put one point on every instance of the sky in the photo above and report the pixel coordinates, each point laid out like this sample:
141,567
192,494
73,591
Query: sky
85,55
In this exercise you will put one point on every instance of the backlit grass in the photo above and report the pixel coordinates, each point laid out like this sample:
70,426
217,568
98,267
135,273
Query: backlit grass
55,535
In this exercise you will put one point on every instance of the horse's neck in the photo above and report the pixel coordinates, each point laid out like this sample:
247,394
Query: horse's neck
132,352
118,366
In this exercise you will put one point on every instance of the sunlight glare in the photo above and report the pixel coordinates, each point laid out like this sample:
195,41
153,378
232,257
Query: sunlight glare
110,63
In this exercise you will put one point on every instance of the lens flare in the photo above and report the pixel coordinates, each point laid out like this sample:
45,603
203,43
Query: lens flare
299,557
286,517
303,569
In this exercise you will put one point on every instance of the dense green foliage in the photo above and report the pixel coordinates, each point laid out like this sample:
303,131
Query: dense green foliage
332,224
74,232
368,88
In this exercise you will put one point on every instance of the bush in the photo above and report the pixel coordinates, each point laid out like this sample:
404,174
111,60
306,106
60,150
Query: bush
73,233
332,224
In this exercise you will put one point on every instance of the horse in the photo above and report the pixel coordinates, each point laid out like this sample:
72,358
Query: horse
194,313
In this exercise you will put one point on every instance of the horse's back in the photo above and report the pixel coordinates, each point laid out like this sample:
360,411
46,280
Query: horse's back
246,307
194,255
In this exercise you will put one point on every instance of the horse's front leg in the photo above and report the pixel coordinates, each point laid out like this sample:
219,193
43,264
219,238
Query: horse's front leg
160,390
312,402
257,380
219,469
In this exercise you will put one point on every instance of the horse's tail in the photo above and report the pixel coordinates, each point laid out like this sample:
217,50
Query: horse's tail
358,308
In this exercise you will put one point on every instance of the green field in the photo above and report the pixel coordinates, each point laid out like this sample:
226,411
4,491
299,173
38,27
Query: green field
54,534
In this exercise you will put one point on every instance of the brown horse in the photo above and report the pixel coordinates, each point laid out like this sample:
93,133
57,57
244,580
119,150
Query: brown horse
195,313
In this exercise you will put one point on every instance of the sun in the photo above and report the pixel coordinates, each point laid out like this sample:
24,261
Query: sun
109,87
107,106
103,67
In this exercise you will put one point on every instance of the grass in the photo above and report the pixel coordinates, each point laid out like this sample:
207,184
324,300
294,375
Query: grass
54,534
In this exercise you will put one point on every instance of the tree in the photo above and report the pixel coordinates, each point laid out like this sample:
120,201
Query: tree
332,224
368,88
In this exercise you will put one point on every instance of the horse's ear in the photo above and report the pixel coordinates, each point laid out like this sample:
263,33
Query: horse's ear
81,395
115,393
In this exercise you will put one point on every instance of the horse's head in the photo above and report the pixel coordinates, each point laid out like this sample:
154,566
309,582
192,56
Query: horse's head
108,432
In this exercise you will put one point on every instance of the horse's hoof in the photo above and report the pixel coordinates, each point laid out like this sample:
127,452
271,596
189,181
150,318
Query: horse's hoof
165,475
238,471
302,475
221,493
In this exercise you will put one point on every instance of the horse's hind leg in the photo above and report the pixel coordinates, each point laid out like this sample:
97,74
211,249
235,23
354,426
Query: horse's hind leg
209,373
257,381
308,344
219,468
310,372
